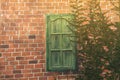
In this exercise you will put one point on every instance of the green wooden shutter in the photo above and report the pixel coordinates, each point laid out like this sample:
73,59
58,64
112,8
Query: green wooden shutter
60,50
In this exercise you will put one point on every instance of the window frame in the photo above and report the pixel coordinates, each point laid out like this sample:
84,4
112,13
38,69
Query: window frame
47,47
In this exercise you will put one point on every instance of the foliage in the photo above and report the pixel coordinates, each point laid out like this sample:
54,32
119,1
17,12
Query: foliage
115,60
98,41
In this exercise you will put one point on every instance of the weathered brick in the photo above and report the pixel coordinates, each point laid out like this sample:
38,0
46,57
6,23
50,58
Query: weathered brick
0,54
32,36
19,58
4,46
9,76
33,62
16,71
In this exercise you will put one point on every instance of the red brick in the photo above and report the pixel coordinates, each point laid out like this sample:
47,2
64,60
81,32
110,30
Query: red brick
35,53
10,50
23,62
6,54
42,78
2,67
16,54
23,79
33,78
37,66
29,66
18,75
26,71
30,49
40,57
14,63
62,77
29,57
3,63
25,53
11,58
7,72
38,74
28,75
19,49
23,45
51,78
42,61
14,0
20,67
9,67
33,45
2,59
13,46
36,70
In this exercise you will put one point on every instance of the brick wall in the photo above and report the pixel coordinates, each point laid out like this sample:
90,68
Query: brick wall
22,39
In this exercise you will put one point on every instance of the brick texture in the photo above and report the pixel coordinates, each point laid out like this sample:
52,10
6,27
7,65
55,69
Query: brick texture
22,38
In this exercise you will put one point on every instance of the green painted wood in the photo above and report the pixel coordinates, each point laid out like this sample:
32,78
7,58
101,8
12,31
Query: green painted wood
61,54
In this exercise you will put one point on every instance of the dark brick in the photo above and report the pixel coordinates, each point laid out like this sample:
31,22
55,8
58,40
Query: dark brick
9,76
0,54
4,46
32,36
19,58
42,78
2,76
33,62
17,71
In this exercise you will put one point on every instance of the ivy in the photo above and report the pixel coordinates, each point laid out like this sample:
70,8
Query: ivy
98,41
